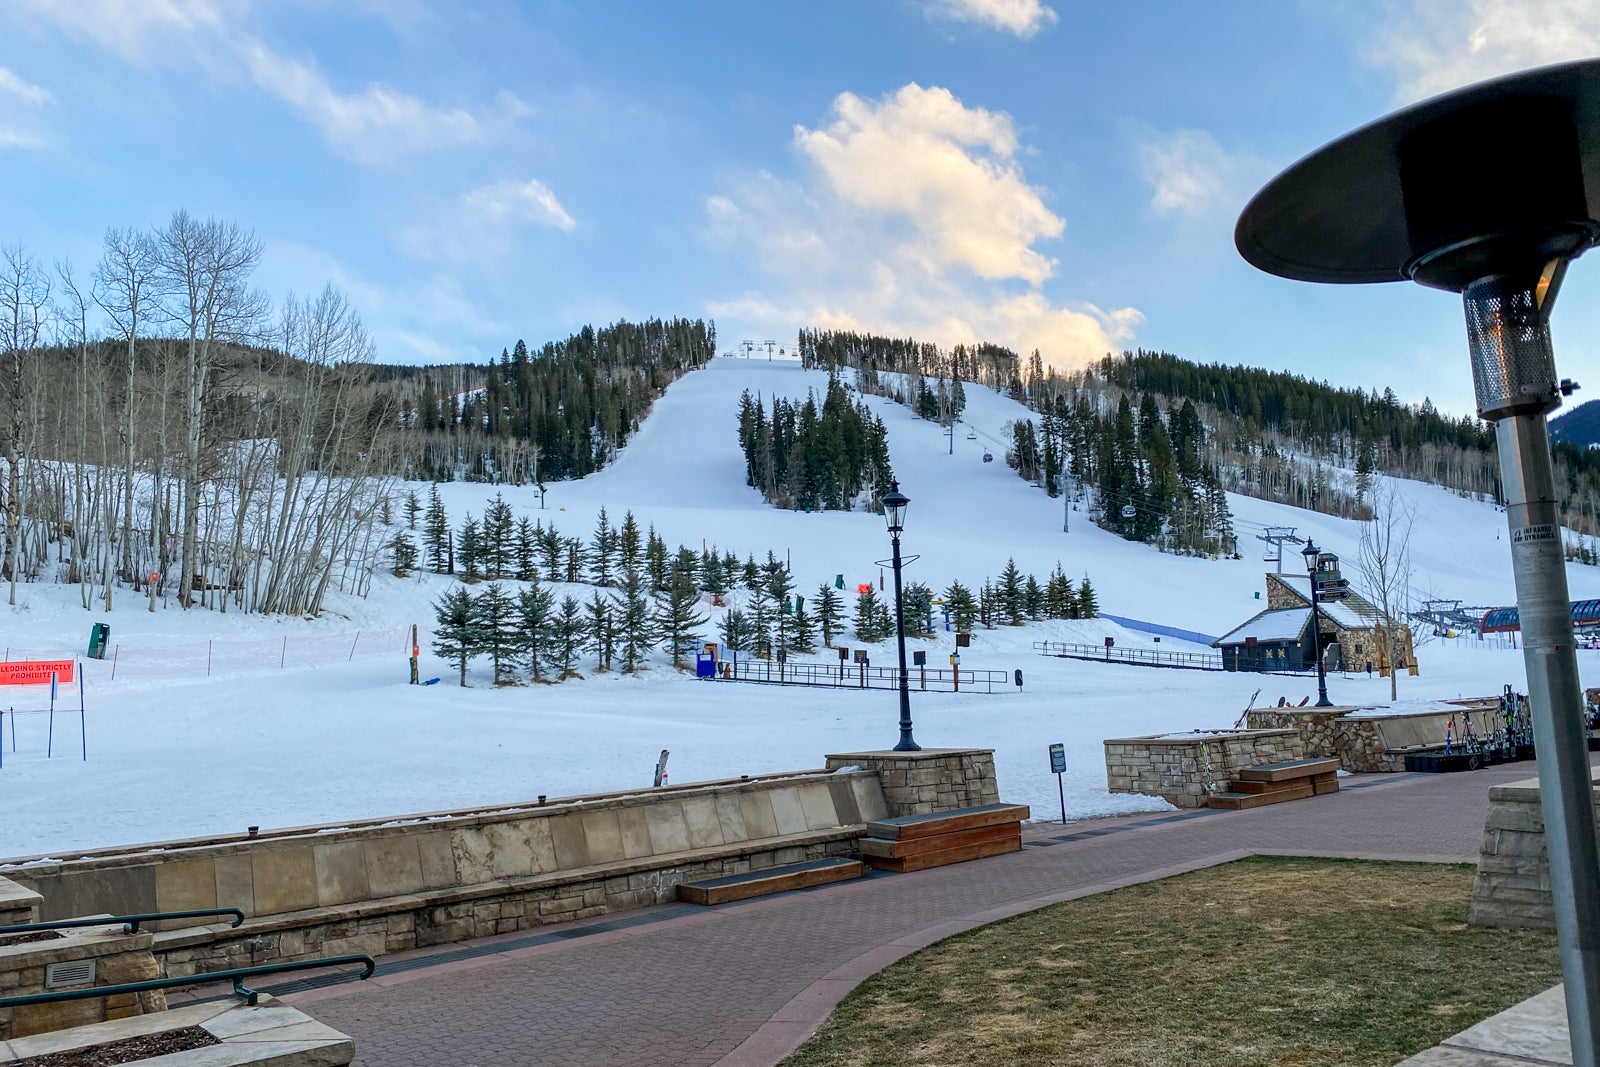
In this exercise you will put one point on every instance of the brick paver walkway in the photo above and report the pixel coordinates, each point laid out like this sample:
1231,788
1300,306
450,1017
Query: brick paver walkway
743,984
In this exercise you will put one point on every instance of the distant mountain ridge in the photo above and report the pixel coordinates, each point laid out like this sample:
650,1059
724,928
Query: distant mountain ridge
1579,427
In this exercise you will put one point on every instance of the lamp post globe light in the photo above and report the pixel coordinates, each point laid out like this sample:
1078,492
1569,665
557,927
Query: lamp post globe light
894,514
1311,552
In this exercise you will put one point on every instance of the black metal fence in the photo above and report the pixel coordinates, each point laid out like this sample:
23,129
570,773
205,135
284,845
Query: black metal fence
1138,657
847,675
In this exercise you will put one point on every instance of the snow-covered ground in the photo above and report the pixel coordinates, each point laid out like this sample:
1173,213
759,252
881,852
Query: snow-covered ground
331,736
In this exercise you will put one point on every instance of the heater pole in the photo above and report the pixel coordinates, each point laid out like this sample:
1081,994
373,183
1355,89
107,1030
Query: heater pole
1565,787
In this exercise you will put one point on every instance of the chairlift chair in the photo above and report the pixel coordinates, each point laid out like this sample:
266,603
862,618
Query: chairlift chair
972,435
988,457
1129,511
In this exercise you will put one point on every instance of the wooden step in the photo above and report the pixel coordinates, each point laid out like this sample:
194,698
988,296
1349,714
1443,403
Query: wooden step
771,880
1328,778
885,849
906,827
1241,801
1278,772
1010,843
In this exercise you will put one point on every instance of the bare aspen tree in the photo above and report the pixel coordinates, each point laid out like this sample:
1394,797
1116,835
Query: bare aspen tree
24,312
207,266
127,288
1383,559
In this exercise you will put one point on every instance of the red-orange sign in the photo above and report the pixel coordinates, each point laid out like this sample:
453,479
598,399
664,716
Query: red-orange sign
35,672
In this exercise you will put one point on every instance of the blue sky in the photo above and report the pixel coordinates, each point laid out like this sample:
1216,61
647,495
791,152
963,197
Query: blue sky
1038,173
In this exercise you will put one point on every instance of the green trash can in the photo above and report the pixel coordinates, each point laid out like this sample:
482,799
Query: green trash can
99,635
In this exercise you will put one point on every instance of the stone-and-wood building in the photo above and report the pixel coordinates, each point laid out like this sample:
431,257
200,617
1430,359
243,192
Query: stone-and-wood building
1279,638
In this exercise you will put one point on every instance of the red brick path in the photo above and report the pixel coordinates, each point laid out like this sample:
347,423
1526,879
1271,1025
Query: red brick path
744,984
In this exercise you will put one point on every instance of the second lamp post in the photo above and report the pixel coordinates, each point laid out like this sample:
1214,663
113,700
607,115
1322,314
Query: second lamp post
894,513
1311,553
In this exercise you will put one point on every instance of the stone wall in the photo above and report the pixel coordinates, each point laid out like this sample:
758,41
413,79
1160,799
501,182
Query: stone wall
118,958
18,904
1512,889
425,879
1367,743
1185,769
928,780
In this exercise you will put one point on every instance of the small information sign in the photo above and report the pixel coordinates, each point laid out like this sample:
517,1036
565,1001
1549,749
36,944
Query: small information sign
1058,767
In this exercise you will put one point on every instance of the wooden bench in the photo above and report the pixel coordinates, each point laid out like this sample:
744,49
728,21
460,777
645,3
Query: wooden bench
1274,783
917,842
771,880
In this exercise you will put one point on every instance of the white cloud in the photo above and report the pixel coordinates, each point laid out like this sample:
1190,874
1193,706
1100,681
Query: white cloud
375,124
1021,17
32,95
1432,46
948,170
483,225
19,101
915,220
1189,173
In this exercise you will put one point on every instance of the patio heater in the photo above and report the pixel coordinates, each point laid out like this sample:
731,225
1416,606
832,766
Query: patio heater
1489,191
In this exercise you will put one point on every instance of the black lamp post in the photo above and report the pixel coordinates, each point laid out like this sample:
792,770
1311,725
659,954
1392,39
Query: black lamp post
894,513
1310,552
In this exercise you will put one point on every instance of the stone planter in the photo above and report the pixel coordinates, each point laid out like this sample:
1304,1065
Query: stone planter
269,1033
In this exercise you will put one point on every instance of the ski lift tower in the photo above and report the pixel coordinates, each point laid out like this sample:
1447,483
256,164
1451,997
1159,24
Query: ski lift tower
770,346
1278,536
748,346
1489,191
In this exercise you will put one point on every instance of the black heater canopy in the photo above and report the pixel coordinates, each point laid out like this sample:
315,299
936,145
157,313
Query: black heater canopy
1501,176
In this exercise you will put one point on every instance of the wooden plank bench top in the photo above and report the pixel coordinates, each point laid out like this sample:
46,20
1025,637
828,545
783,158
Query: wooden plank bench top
909,827
1278,772
883,848
1000,839
770,880
1241,801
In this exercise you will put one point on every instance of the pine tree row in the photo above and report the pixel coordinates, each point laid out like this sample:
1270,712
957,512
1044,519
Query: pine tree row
810,458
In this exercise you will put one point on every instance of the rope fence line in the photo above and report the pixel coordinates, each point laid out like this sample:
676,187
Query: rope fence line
216,656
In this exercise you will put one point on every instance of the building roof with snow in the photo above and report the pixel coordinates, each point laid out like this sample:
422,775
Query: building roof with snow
1274,624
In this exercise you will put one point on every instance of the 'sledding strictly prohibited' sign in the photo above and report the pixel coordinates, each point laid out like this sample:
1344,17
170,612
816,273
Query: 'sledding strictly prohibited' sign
35,672
1524,535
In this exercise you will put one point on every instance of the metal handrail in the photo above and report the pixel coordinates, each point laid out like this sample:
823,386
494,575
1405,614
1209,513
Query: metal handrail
1138,657
237,975
130,921
847,675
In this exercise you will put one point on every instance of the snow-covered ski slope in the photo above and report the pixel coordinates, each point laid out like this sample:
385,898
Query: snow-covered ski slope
323,739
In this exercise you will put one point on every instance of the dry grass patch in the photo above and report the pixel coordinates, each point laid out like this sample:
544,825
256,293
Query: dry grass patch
1260,963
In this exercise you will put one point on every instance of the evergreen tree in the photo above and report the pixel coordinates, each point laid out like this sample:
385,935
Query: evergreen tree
752,575
499,640
404,553
735,631
413,509
917,600
635,632
656,561
1060,599
1088,605
469,549
575,559
869,617
601,624
760,614
961,605
829,612
629,543
552,549
780,587
1011,593
988,609
535,612
527,551
455,633
803,630
1033,598
499,538
436,535
713,577
677,617
568,633
602,550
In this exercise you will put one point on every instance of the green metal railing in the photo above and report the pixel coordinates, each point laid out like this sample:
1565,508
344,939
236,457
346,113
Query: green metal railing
236,975
130,921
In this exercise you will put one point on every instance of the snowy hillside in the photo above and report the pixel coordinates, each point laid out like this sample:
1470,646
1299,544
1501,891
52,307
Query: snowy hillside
335,733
